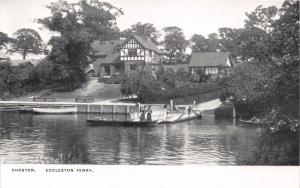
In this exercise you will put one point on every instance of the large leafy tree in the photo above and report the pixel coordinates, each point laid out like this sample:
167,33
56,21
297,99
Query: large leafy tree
198,43
270,79
27,41
174,43
143,29
4,40
78,25
262,18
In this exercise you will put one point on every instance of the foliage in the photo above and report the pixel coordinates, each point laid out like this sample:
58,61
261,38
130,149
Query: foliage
262,18
269,80
27,41
143,29
14,81
224,111
78,25
174,42
140,83
199,43
4,40
162,89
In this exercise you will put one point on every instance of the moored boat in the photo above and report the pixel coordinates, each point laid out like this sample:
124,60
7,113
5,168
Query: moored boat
68,110
180,117
256,122
101,121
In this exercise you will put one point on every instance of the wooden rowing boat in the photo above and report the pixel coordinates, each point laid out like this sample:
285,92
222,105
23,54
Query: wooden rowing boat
176,118
252,123
101,121
68,110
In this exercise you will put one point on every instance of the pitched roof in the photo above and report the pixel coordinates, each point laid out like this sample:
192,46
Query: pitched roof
106,47
146,43
209,59
105,52
3,55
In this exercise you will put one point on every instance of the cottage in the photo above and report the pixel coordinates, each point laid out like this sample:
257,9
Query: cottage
123,56
214,64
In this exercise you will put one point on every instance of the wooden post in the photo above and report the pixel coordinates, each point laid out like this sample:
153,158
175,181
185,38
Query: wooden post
113,109
88,108
127,110
171,105
101,109
233,112
138,112
194,103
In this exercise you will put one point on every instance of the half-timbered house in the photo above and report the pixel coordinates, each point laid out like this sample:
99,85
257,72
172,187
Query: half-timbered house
123,56
214,64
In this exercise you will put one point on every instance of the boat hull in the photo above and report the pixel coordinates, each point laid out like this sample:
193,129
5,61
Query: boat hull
251,123
97,122
175,119
54,110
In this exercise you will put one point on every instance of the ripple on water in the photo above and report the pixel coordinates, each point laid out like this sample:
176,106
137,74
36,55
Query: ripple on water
68,139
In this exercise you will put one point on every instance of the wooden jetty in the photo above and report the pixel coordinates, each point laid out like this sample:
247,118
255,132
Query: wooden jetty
82,107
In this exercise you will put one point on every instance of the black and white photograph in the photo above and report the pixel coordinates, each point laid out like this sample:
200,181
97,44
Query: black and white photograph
149,82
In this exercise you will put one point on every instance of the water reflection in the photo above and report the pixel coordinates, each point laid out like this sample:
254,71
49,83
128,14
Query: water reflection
64,139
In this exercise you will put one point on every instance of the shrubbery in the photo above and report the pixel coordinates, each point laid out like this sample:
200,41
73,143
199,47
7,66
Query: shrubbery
224,111
15,81
149,89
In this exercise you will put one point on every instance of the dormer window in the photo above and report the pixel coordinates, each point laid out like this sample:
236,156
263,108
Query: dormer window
132,52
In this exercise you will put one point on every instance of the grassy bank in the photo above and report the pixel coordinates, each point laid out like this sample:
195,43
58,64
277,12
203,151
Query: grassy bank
99,91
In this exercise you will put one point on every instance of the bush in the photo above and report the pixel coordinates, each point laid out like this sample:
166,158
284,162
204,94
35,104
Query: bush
10,81
224,111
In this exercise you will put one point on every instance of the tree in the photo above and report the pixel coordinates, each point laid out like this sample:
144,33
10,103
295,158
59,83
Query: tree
270,78
198,43
262,18
213,43
4,40
143,29
201,44
27,41
78,24
174,42
285,36
142,83
10,80
230,41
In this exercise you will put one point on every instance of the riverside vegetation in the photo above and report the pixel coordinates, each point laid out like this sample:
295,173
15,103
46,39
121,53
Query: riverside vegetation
264,53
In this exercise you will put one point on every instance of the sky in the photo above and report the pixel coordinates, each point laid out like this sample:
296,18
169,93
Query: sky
193,16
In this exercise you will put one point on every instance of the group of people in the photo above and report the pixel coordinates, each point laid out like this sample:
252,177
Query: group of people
144,111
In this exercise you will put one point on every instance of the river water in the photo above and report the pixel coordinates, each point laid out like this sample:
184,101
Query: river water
68,139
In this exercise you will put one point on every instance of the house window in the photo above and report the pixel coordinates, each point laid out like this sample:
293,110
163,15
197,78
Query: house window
132,52
132,67
211,70
107,70
193,70
152,54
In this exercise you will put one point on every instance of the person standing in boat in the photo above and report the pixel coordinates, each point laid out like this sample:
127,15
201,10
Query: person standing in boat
142,116
149,114
189,110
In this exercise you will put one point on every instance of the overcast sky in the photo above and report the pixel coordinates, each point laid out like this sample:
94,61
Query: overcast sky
193,16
